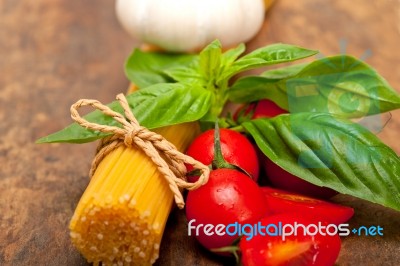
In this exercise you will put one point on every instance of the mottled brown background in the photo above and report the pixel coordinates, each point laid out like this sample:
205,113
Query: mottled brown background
55,52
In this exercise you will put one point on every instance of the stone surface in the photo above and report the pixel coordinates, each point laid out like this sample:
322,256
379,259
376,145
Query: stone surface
55,52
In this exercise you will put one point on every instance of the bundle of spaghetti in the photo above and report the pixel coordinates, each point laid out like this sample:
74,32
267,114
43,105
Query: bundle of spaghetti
121,216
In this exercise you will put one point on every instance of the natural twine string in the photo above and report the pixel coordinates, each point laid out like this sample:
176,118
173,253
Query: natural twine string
169,161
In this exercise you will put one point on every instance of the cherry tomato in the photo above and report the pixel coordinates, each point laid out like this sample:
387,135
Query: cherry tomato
236,149
262,108
282,179
228,197
300,249
280,201
267,108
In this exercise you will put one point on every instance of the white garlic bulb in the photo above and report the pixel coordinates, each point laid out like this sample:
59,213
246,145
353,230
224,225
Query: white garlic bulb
189,25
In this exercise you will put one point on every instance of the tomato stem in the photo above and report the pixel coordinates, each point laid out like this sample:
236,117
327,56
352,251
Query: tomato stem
231,249
219,160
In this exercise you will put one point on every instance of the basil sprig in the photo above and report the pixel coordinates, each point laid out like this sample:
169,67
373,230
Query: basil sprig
315,142
176,88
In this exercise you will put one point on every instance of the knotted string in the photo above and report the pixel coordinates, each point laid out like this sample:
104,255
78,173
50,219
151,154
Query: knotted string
169,161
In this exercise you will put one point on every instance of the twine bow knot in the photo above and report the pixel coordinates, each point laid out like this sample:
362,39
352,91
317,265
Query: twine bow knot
169,161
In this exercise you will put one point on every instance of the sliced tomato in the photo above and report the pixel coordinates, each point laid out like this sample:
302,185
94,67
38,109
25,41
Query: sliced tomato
301,250
280,201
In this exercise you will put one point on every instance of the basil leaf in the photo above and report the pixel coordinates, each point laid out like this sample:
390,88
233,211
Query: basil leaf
231,55
340,85
271,54
210,62
189,75
147,68
332,152
203,70
155,106
253,88
284,72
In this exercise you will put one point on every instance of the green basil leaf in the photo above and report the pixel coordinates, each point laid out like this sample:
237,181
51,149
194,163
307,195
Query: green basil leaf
155,106
284,72
265,56
332,152
188,75
230,56
147,68
210,61
253,88
340,85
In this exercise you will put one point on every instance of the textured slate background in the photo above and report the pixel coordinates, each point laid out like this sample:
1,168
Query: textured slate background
55,52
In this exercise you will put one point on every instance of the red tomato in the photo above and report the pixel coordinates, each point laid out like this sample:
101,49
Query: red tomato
262,108
267,108
229,196
280,201
300,249
282,179
236,149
